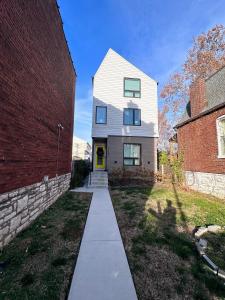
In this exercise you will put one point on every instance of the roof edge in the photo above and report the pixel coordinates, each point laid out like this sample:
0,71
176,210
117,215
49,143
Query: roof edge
61,21
215,72
206,112
110,49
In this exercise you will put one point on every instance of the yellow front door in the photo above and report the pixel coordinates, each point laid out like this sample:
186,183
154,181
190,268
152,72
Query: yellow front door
100,157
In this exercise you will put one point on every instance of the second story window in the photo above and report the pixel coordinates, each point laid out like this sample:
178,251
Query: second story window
132,87
101,115
132,116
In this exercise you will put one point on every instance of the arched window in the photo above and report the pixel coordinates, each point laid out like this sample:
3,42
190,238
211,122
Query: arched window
221,136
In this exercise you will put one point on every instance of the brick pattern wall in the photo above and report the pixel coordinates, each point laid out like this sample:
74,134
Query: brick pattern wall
198,142
36,93
20,207
197,97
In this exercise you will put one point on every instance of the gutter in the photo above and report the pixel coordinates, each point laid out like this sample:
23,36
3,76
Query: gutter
204,113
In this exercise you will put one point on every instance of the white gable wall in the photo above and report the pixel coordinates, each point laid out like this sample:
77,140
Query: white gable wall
108,91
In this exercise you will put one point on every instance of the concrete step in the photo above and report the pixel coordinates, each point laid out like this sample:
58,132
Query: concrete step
98,180
100,173
98,186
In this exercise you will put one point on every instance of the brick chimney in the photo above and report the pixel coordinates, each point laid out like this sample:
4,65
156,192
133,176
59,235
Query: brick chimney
197,97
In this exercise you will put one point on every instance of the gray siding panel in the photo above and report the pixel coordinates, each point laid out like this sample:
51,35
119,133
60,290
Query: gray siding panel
148,152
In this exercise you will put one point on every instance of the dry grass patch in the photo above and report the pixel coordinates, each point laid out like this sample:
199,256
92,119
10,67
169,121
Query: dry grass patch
39,262
156,225
216,248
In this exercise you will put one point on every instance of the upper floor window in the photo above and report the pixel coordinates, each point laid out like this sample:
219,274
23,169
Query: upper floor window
132,87
221,136
101,115
132,116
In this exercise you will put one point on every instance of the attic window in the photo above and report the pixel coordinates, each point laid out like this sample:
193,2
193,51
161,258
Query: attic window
132,87
221,136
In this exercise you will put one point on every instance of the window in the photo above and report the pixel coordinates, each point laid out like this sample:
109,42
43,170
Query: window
131,154
101,115
132,87
221,136
132,116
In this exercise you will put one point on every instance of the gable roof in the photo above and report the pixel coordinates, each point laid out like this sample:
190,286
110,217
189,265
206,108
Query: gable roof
112,52
215,96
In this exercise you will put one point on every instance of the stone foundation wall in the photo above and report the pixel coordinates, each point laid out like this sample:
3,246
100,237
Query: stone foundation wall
208,183
20,207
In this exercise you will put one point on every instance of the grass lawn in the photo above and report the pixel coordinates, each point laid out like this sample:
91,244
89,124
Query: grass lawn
156,225
39,262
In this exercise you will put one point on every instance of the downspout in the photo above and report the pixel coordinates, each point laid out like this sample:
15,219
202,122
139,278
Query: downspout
60,127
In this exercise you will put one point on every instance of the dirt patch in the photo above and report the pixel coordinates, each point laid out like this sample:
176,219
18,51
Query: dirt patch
216,248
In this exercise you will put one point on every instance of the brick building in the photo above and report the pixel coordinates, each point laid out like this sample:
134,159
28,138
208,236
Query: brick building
201,135
37,82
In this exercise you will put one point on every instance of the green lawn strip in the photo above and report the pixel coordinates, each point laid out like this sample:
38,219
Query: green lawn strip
200,209
40,260
156,225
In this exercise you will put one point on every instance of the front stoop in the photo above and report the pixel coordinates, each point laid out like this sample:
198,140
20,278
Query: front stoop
98,179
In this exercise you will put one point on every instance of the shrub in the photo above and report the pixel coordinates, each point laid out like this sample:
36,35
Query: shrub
139,177
172,167
80,172
163,158
177,168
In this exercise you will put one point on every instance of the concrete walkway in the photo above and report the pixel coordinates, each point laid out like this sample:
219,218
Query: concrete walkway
102,271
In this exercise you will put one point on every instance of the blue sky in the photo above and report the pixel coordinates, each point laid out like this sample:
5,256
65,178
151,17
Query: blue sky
152,34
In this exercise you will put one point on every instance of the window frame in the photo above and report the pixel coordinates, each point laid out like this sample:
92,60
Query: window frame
133,109
133,158
96,108
220,155
124,79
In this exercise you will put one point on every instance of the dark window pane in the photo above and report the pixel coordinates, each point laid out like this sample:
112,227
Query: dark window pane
132,116
137,117
128,116
101,114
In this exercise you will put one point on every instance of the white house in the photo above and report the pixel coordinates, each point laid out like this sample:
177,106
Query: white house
125,116
81,149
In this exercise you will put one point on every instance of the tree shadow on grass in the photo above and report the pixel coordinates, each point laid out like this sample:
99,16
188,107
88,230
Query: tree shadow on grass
159,229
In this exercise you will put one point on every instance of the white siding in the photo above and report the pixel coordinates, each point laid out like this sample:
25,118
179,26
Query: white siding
81,149
108,87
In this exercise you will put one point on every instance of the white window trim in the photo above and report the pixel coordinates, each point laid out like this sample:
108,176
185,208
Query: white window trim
218,136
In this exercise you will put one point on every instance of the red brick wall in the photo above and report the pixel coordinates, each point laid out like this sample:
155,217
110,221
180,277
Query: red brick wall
37,83
198,141
197,97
